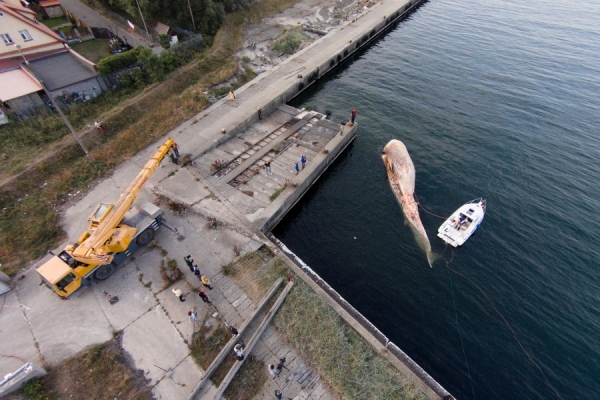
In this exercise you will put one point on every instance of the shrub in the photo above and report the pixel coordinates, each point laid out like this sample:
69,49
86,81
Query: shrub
133,78
151,64
164,40
34,389
289,43
189,49
170,60
118,61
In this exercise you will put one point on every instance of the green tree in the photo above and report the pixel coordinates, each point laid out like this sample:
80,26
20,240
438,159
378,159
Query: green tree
170,60
151,64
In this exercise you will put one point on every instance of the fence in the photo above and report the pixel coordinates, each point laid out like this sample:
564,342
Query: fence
126,22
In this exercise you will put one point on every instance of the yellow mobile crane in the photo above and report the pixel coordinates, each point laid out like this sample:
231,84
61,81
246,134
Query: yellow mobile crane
115,231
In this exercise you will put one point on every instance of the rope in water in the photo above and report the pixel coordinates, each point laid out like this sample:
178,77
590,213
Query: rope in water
428,212
448,268
458,325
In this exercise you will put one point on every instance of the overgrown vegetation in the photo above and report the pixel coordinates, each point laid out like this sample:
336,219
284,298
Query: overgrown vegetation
170,273
207,343
256,272
99,373
335,348
208,15
173,206
248,382
217,165
290,43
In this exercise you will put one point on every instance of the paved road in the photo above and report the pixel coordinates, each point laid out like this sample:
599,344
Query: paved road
94,19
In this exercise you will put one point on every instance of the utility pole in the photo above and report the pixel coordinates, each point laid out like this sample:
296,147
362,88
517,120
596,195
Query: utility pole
143,20
57,107
191,14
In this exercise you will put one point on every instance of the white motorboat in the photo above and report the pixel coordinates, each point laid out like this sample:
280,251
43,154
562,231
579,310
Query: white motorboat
462,223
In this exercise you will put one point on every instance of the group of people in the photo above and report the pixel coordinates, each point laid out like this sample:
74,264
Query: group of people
297,166
203,279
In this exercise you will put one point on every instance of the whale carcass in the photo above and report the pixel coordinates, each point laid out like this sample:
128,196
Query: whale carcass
401,174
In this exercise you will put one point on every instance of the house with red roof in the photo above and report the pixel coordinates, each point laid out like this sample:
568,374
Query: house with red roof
61,70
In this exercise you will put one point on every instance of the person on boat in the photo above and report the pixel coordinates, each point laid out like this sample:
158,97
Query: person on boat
460,221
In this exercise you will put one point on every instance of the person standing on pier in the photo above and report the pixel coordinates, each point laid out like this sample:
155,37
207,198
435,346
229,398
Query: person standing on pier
193,318
178,293
353,116
268,168
205,282
196,271
203,296
303,161
189,261
297,168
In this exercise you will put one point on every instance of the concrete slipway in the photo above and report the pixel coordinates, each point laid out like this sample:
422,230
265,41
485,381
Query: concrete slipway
38,327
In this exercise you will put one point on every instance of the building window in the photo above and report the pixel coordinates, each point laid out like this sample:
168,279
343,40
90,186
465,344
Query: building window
25,35
7,39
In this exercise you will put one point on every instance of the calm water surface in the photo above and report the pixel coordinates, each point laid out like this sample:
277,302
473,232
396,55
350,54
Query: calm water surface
496,99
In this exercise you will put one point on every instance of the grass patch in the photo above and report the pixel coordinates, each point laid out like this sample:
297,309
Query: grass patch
276,194
206,345
52,22
94,50
248,382
290,43
102,372
170,273
322,336
256,272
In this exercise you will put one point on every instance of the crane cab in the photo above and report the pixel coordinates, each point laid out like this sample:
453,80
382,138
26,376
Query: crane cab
60,276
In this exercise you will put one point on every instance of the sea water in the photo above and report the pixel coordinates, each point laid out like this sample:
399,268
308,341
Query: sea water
493,99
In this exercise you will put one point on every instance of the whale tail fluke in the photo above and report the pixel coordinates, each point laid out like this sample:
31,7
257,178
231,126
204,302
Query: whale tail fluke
432,257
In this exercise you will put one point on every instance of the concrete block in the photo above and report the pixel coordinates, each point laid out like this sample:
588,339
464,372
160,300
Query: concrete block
183,187
17,345
176,386
134,298
148,265
154,344
12,382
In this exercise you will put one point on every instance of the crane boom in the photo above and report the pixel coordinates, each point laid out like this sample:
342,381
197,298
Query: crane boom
94,245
